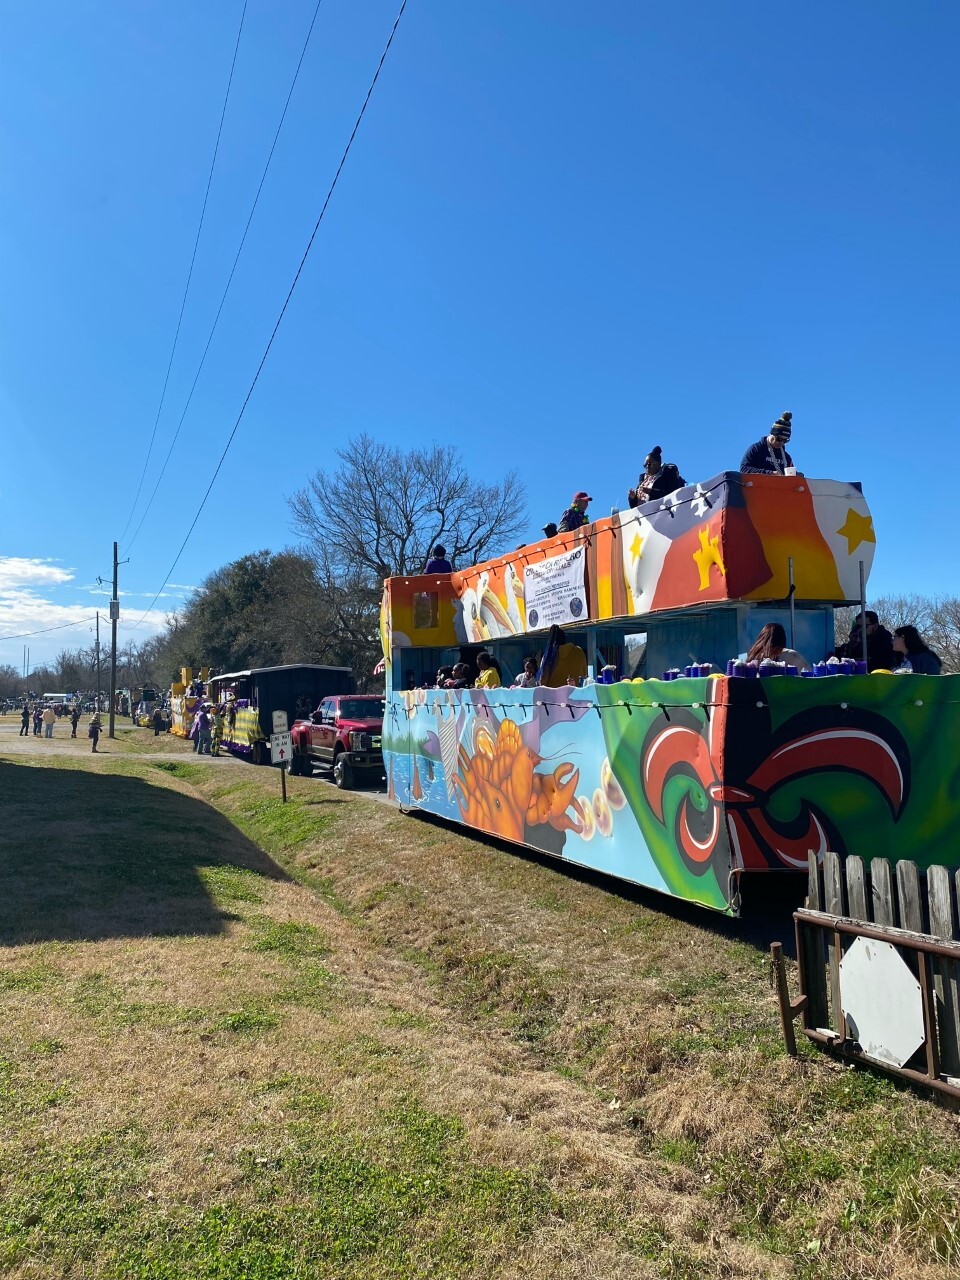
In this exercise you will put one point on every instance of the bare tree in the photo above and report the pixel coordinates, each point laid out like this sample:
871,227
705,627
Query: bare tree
384,509
943,634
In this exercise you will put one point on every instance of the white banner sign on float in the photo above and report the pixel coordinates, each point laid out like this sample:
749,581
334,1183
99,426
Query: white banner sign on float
554,592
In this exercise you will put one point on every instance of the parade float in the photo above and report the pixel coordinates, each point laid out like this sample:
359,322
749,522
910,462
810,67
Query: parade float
676,776
186,695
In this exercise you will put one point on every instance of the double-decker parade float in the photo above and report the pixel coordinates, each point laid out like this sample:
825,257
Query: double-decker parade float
675,764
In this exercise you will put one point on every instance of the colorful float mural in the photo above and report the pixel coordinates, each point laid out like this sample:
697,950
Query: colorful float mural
683,785
730,538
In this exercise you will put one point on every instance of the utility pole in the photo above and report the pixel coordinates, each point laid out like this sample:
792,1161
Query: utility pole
96,650
114,617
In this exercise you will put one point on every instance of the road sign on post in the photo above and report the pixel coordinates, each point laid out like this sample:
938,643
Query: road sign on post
280,723
281,749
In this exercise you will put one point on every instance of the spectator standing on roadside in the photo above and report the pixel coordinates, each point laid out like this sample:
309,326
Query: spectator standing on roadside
25,721
204,727
157,721
93,730
219,724
74,719
37,720
49,720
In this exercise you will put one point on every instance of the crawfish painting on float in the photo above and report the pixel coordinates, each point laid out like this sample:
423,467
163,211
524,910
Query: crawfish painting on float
688,785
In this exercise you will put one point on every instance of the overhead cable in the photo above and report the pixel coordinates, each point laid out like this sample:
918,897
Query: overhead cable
46,630
226,289
283,309
193,259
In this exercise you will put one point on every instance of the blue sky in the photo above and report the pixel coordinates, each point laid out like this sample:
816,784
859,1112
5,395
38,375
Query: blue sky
565,233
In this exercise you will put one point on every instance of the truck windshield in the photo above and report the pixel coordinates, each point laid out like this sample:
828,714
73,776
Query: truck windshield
361,708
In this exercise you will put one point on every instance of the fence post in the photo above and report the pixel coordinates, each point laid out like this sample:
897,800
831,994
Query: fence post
946,973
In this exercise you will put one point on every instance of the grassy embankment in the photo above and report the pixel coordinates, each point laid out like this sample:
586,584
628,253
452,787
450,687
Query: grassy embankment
329,1041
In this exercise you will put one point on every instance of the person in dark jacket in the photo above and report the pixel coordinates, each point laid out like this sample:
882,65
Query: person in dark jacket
769,456
74,719
157,722
880,653
438,562
25,721
576,514
659,479
914,654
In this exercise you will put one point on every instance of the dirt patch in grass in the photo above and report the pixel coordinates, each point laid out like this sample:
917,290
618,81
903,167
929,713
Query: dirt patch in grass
399,1053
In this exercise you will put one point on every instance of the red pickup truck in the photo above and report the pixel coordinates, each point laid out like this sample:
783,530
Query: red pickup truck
343,734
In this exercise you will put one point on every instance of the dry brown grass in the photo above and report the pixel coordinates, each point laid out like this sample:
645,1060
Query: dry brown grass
612,1071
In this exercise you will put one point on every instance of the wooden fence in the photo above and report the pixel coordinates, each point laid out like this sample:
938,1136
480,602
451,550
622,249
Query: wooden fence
913,912
893,894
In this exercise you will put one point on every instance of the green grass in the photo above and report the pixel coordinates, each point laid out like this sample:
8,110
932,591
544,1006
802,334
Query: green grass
105,1003
581,1062
231,884
327,1201
288,938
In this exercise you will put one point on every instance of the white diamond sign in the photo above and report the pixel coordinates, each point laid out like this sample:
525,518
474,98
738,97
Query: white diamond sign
881,1002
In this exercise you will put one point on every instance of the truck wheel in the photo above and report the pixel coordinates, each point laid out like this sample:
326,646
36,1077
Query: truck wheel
256,753
342,772
295,764
306,766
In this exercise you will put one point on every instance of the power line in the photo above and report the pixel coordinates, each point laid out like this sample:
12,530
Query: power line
46,630
296,278
193,259
226,290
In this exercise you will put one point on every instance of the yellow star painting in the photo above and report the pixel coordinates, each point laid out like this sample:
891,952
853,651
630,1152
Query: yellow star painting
856,529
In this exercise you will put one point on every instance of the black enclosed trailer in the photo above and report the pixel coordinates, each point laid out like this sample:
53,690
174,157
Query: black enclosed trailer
253,696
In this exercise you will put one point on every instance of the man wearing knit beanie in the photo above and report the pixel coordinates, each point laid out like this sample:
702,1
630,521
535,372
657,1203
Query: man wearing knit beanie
769,456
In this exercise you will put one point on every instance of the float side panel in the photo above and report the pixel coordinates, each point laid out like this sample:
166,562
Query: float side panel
557,770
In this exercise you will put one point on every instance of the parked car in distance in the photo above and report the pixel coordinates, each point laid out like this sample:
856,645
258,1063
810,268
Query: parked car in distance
343,734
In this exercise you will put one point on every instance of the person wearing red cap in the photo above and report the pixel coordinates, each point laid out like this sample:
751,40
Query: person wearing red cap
576,514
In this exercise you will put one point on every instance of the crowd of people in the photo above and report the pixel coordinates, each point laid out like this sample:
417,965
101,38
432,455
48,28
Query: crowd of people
564,662
768,456
209,723
903,652
42,717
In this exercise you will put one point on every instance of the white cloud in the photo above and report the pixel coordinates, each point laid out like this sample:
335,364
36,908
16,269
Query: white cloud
18,571
29,617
